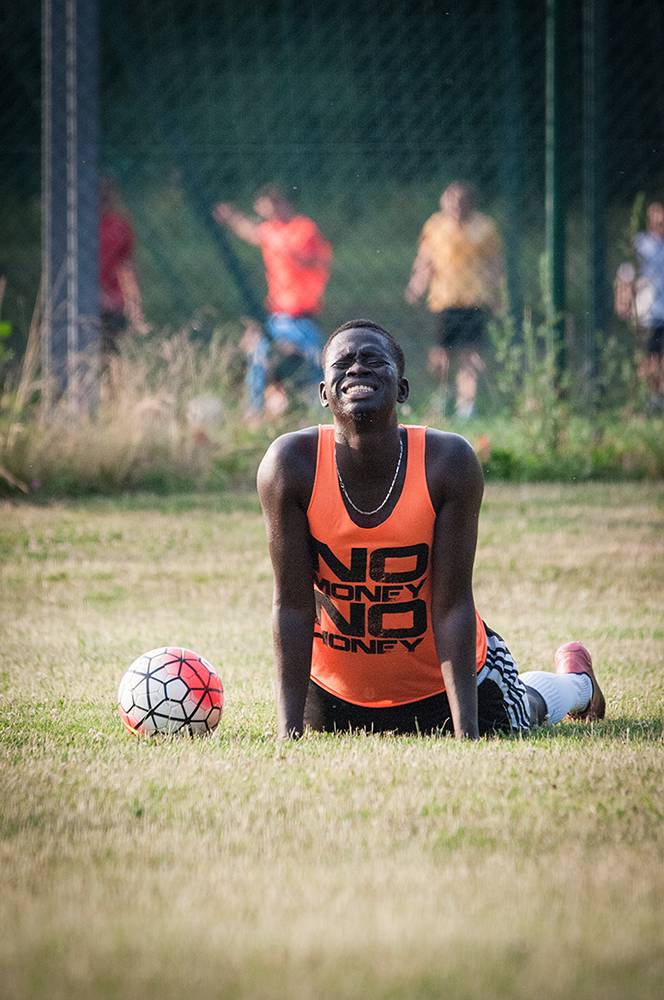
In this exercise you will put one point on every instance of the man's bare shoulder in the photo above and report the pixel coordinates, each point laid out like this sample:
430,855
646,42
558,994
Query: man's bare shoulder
288,467
433,223
452,466
483,226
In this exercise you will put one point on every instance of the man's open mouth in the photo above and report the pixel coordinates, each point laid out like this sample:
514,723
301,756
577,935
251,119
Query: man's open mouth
358,389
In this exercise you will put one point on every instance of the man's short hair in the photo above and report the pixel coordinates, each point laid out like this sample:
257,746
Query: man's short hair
368,324
272,191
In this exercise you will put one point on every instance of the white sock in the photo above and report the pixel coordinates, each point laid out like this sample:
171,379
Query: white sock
562,693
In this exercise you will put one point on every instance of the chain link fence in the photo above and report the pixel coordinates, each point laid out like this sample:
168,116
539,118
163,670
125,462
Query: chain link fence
20,159
363,112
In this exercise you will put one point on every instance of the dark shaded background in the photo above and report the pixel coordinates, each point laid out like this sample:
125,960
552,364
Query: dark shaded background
362,110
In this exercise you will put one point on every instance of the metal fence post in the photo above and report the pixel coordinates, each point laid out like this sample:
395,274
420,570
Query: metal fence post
512,161
554,184
70,117
594,150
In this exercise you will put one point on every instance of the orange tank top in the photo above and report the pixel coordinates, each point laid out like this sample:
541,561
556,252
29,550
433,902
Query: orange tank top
374,643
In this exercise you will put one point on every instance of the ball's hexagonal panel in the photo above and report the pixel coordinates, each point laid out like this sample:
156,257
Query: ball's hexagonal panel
176,689
170,689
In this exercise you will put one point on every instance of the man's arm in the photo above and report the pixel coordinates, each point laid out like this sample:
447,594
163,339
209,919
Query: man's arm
284,482
456,487
420,276
131,294
623,291
238,222
126,275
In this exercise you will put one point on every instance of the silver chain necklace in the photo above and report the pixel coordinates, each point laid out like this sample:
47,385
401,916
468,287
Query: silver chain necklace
367,513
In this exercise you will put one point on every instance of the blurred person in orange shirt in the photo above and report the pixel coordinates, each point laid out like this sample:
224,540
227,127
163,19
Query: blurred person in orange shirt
119,294
460,264
297,261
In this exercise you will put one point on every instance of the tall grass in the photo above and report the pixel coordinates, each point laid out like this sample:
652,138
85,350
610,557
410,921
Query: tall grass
168,415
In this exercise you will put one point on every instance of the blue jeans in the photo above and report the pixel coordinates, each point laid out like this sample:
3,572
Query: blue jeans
301,335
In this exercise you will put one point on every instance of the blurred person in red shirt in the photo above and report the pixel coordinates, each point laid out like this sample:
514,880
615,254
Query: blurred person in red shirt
297,261
119,295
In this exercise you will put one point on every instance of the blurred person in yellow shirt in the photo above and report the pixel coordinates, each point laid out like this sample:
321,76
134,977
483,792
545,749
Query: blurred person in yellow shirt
459,263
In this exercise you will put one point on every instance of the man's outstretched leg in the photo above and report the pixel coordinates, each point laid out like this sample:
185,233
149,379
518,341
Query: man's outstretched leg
572,690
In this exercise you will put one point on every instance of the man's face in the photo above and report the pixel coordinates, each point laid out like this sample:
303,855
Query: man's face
361,377
455,201
656,218
264,207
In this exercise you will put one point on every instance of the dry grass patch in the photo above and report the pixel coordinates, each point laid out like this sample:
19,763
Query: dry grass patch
338,867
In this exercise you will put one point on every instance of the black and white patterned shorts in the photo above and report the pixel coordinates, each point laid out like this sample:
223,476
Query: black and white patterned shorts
502,702
501,670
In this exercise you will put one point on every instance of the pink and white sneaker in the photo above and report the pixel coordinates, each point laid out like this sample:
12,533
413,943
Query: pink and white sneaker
574,658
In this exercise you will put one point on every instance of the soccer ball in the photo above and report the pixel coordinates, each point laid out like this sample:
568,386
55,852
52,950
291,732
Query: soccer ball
170,690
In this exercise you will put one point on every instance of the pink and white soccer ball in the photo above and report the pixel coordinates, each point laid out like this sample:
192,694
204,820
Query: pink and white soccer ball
171,690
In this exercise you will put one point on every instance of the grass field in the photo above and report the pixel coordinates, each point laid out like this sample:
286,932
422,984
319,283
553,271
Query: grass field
340,866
